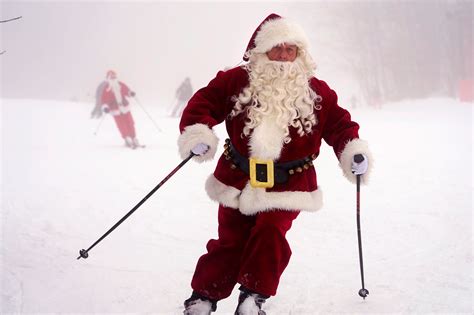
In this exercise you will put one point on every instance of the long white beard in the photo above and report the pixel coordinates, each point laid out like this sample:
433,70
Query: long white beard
278,96
114,85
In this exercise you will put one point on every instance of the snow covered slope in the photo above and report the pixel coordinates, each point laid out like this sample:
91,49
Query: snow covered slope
63,187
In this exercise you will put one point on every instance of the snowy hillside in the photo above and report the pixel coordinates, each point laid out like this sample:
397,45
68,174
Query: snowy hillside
63,187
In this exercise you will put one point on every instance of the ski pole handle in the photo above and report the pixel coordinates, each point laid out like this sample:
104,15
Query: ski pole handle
358,158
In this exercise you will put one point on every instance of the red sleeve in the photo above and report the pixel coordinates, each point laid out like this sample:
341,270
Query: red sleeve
339,128
104,99
211,104
125,89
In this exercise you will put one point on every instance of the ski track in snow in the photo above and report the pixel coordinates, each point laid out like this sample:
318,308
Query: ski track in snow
63,187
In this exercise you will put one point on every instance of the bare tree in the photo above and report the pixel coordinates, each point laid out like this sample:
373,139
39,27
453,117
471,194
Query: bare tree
5,21
13,19
398,49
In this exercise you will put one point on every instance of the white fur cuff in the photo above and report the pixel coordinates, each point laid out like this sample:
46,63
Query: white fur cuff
195,134
353,147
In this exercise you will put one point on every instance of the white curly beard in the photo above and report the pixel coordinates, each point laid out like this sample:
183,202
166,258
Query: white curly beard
278,96
114,85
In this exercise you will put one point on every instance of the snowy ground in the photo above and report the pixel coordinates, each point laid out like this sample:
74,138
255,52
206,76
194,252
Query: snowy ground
63,187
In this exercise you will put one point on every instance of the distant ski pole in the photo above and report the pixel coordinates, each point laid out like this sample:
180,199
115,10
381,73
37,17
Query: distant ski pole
100,124
84,253
362,292
152,120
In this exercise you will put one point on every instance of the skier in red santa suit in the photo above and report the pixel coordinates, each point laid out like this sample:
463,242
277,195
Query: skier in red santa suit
276,113
114,101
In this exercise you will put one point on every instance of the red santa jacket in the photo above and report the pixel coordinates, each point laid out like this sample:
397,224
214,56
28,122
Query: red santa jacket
230,186
108,98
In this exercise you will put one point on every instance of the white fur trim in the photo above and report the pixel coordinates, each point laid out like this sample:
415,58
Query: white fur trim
279,31
116,88
353,147
122,110
266,140
253,200
195,134
223,194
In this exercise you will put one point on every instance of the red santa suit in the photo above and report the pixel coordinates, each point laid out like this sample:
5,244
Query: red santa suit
115,98
252,249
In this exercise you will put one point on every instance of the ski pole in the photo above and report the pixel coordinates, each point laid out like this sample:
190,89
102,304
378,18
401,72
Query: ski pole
84,253
152,120
362,292
100,124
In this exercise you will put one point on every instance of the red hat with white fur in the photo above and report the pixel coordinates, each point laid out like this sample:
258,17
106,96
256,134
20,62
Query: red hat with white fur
273,31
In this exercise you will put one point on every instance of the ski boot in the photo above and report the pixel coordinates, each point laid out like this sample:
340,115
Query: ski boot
250,303
198,304
137,144
129,143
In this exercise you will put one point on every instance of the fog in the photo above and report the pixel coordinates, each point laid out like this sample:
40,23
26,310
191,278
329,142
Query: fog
389,50
67,178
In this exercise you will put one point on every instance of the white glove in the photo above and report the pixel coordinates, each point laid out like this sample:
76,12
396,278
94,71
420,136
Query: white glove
200,149
359,168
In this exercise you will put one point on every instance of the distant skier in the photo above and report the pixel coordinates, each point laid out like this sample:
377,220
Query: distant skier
277,114
183,94
114,101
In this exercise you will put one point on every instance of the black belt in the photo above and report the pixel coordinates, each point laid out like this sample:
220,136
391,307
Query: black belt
281,171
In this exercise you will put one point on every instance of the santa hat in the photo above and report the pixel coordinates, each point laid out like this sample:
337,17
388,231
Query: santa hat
273,31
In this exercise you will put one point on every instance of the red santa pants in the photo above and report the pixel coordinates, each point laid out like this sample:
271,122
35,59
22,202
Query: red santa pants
250,250
125,125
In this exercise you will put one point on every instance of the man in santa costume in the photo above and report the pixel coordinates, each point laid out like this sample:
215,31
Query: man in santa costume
114,101
276,114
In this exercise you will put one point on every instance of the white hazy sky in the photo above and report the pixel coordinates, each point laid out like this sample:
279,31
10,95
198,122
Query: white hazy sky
63,49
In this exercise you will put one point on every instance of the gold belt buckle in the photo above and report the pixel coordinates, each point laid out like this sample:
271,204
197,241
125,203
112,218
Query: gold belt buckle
261,173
